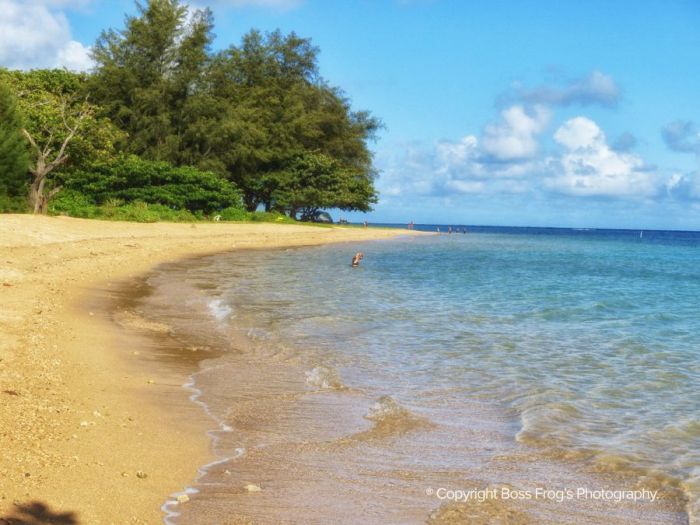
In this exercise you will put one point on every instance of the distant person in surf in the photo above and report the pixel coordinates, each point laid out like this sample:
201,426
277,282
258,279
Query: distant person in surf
356,259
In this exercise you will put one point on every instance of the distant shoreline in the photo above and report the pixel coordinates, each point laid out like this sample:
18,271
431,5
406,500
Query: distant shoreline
82,409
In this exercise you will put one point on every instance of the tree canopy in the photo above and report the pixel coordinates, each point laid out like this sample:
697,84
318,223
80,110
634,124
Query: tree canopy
14,151
249,112
257,114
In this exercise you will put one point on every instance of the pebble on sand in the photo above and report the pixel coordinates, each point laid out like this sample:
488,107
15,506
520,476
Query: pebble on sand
250,487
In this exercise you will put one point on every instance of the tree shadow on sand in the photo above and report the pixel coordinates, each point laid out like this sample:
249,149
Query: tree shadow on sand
38,513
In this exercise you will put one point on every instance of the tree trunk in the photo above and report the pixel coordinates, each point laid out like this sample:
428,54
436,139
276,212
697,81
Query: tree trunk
36,194
250,202
38,199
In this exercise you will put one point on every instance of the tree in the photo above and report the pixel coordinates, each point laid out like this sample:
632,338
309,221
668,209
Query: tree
61,128
286,111
314,181
47,159
150,80
14,155
248,112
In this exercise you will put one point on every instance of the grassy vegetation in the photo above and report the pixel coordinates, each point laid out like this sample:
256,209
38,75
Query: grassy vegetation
75,204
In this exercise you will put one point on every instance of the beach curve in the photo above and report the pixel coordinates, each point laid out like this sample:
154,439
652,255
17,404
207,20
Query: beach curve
92,432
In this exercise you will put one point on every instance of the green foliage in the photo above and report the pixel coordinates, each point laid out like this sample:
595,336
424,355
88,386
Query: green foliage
315,180
269,216
150,77
50,102
286,111
74,204
10,204
142,212
240,214
14,152
134,179
165,122
246,113
234,214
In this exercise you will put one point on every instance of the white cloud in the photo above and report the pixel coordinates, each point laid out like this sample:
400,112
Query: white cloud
596,88
516,136
33,35
275,4
684,186
590,167
71,4
75,56
580,133
682,136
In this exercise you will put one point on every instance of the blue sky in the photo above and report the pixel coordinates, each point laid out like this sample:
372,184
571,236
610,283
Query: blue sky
544,113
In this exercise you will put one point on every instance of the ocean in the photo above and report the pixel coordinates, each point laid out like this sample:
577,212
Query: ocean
502,375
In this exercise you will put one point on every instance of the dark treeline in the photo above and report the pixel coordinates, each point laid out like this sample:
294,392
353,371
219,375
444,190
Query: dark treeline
164,120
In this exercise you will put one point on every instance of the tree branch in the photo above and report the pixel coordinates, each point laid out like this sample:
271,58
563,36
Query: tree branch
31,141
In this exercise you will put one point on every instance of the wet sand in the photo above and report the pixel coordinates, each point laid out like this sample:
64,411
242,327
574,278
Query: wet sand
93,427
315,446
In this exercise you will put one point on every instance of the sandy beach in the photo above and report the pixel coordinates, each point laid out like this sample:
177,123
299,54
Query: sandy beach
91,431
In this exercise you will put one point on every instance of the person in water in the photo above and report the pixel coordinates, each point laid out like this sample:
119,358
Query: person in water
356,259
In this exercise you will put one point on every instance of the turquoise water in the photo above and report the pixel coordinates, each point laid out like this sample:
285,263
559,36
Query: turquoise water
576,348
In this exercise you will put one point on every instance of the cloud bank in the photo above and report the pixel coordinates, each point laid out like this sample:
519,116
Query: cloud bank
521,152
682,136
590,167
596,88
35,34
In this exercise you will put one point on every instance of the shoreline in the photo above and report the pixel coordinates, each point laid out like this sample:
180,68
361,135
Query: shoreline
250,367
83,421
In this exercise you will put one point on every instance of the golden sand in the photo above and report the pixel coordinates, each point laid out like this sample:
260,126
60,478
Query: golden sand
90,430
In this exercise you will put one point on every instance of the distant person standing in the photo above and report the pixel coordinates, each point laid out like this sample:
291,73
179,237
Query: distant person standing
365,224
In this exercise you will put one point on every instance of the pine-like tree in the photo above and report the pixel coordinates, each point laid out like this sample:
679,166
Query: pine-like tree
14,152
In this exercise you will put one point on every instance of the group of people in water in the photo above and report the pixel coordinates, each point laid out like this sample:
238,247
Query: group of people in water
456,230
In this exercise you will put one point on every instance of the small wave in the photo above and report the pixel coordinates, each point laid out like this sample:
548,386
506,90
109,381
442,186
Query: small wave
386,408
547,429
324,378
219,309
133,321
476,512
390,418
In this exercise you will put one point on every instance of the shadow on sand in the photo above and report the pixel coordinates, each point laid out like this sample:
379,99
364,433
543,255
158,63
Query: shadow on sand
37,513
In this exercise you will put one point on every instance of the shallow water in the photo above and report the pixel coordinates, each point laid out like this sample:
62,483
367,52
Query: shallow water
456,362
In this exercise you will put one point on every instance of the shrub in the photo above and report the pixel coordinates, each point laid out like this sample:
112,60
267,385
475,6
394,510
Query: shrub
134,179
13,204
73,203
234,214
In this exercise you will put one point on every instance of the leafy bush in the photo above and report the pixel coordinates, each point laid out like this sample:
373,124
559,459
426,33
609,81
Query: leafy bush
267,216
133,179
142,212
13,204
73,203
234,214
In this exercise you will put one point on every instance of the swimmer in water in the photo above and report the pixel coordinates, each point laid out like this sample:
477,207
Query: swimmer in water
356,259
